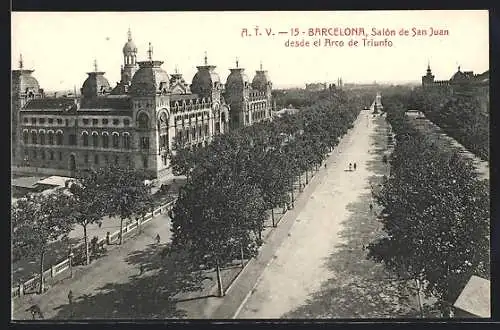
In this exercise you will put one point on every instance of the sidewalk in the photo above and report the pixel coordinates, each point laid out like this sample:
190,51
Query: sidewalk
26,268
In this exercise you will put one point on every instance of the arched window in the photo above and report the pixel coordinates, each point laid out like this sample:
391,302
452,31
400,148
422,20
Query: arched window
143,121
126,140
105,140
163,119
95,139
33,137
42,138
145,143
116,140
26,137
85,138
51,137
59,138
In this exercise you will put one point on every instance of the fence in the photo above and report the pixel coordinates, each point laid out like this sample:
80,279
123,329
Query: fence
79,250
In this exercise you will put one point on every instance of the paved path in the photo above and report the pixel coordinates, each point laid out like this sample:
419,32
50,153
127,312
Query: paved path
87,281
289,264
298,267
26,268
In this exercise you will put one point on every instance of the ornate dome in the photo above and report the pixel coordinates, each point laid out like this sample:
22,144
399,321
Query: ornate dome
204,80
261,81
130,46
24,81
95,84
237,79
458,76
462,75
150,79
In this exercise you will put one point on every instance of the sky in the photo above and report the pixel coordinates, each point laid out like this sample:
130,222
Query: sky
62,46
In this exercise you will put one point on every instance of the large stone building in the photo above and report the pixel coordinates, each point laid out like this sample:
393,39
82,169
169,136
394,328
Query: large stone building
461,83
134,123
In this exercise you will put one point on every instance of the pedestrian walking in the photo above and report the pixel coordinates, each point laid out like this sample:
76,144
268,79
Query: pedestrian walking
70,297
371,207
355,166
350,167
107,238
141,269
157,238
325,165
35,310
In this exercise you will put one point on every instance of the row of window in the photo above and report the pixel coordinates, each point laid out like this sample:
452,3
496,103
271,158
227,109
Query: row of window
40,138
193,133
85,121
35,153
104,159
42,120
257,106
258,115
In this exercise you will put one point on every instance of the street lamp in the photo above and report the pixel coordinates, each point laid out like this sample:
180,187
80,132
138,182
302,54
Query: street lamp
70,257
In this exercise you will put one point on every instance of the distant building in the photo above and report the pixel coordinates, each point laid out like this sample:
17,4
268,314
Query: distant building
290,111
464,83
316,87
134,123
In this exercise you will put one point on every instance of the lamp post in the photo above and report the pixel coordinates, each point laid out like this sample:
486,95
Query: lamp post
70,257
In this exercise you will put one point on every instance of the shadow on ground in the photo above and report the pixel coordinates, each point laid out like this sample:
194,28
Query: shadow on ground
147,295
160,287
361,288
26,268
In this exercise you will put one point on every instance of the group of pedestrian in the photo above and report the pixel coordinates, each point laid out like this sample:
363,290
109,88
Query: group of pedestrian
351,166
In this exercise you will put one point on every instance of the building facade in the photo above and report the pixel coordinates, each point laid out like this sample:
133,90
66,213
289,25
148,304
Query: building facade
462,83
135,122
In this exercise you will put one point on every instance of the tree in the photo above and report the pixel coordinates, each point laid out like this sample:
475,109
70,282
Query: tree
435,215
125,193
39,220
183,158
87,204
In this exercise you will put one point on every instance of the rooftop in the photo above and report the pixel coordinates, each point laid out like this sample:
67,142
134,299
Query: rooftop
475,298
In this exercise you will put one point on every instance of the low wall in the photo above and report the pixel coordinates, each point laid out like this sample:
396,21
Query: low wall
65,264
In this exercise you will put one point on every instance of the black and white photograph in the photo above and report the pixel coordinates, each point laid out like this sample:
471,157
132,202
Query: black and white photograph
283,165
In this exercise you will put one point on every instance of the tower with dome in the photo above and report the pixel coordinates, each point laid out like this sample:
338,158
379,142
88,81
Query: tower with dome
133,123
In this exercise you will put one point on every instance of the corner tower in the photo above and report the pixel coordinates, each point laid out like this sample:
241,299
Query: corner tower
206,82
24,88
129,60
154,126
237,95
428,79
